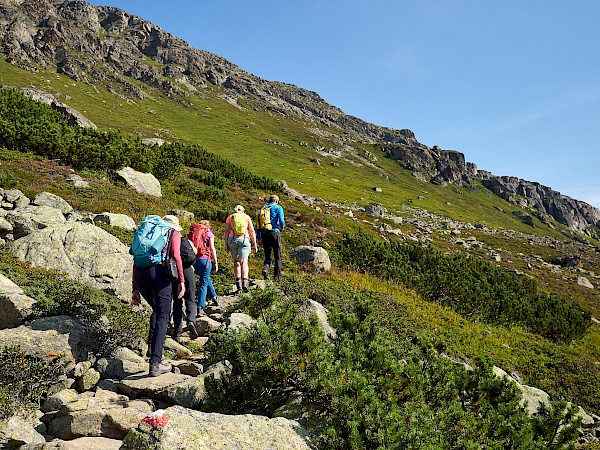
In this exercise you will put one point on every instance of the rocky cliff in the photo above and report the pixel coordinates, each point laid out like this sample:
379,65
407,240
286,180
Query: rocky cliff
106,45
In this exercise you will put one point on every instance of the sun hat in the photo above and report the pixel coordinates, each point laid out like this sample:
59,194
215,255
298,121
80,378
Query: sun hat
173,222
239,208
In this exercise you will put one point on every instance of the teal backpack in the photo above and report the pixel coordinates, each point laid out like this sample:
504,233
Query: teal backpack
149,240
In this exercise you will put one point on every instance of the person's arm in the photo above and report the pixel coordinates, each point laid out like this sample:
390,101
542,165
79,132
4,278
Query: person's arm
252,233
227,227
213,251
176,255
194,249
135,293
281,219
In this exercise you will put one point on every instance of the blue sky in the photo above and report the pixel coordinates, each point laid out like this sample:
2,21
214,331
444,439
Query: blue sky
514,85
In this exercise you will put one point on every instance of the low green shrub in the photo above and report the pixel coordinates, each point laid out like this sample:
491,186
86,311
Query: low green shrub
473,287
25,380
367,389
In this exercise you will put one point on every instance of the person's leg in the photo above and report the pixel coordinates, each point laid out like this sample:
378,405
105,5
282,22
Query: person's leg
203,268
144,284
210,292
177,311
278,263
191,304
268,248
237,271
161,290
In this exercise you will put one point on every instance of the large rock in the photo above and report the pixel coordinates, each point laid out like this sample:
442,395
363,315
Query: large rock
121,364
106,414
240,320
87,443
191,393
185,428
144,183
316,256
73,116
19,431
53,201
15,306
311,308
30,218
116,220
83,251
531,398
49,337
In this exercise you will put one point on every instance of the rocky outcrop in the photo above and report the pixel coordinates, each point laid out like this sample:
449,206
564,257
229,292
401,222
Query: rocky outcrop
575,214
74,117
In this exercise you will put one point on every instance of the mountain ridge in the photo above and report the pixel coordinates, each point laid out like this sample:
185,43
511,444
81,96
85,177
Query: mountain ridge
107,45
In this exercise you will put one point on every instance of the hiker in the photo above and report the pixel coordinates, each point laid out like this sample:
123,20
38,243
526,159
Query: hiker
270,224
151,282
238,232
188,258
206,262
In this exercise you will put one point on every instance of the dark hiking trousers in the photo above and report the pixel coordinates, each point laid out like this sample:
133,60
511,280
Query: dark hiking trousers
156,290
271,241
190,301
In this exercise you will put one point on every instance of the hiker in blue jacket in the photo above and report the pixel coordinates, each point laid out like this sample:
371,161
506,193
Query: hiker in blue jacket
271,223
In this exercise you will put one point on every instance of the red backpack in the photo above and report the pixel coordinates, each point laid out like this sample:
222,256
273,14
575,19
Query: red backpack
198,236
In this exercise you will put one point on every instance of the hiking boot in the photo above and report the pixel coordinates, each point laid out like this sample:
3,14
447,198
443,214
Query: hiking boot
238,285
191,329
265,274
245,285
200,312
158,368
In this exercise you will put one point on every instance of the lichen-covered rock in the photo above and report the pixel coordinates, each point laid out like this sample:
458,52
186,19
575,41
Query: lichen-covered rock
49,337
15,306
28,219
58,400
84,252
116,220
316,256
87,443
144,183
240,320
87,380
105,414
187,428
19,431
53,201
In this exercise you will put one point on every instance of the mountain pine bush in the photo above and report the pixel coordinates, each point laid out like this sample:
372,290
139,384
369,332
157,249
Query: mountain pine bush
473,287
366,389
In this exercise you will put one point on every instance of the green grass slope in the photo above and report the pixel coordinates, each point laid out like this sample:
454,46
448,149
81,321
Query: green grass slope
269,145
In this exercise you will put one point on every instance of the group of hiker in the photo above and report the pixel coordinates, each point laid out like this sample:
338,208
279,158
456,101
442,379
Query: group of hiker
166,264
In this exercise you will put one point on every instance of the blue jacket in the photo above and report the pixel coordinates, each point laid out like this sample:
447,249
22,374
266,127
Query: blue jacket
277,218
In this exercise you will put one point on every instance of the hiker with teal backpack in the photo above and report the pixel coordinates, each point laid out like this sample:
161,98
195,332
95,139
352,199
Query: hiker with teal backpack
270,224
156,257
238,233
